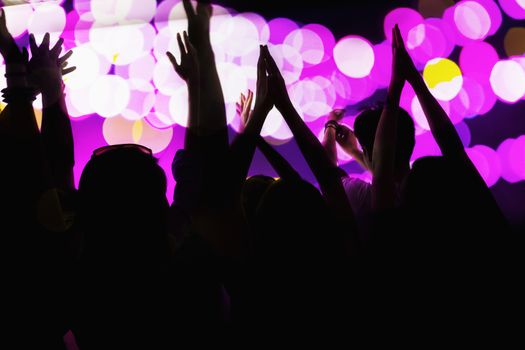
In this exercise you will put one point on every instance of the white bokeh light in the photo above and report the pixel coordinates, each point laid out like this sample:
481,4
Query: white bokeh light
16,18
47,18
88,67
508,81
109,95
354,56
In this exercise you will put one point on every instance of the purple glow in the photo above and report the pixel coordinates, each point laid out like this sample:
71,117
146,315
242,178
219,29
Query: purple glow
480,162
517,157
435,43
507,172
490,166
477,60
382,70
513,8
143,89
279,29
406,18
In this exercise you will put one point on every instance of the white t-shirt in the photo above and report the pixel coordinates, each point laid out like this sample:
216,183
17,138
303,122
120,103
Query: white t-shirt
359,194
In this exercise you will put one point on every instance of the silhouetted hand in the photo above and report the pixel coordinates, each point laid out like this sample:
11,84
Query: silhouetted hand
244,109
336,115
188,69
276,82
8,47
198,22
46,68
264,99
346,139
405,68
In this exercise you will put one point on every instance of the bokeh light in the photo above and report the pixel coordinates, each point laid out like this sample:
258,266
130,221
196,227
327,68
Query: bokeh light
515,41
124,76
444,78
354,56
513,8
508,81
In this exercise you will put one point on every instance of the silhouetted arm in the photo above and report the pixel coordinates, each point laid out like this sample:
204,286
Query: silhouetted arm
447,137
277,161
325,172
243,147
46,71
384,152
188,70
212,117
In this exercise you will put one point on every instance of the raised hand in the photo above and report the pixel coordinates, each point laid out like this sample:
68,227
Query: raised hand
244,109
276,82
8,47
336,115
188,69
46,68
198,22
346,139
404,66
264,99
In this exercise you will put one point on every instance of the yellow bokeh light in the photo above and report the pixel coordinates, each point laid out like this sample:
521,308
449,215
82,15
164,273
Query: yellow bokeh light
444,78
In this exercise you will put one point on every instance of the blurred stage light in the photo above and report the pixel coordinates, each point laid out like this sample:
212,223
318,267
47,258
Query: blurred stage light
354,56
444,78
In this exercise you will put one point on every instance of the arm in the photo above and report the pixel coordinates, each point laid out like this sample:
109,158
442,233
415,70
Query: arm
278,162
330,134
348,142
212,118
243,147
46,71
188,70
18,121
447,137
383,158
324,170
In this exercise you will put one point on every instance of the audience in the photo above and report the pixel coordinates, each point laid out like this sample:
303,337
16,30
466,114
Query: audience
116,265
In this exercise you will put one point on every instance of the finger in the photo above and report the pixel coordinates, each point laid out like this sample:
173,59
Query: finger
272,66
401,42
45,42
243,99
68,70
3,23
181,45
55,51
189,47
32,44
250,100
64,58
188,8
261,69
172,59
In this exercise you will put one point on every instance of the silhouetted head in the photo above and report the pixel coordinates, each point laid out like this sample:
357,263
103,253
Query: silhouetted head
252,192
123,204
293,221
365,127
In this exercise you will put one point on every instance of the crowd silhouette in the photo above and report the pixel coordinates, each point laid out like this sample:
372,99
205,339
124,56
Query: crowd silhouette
115,265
